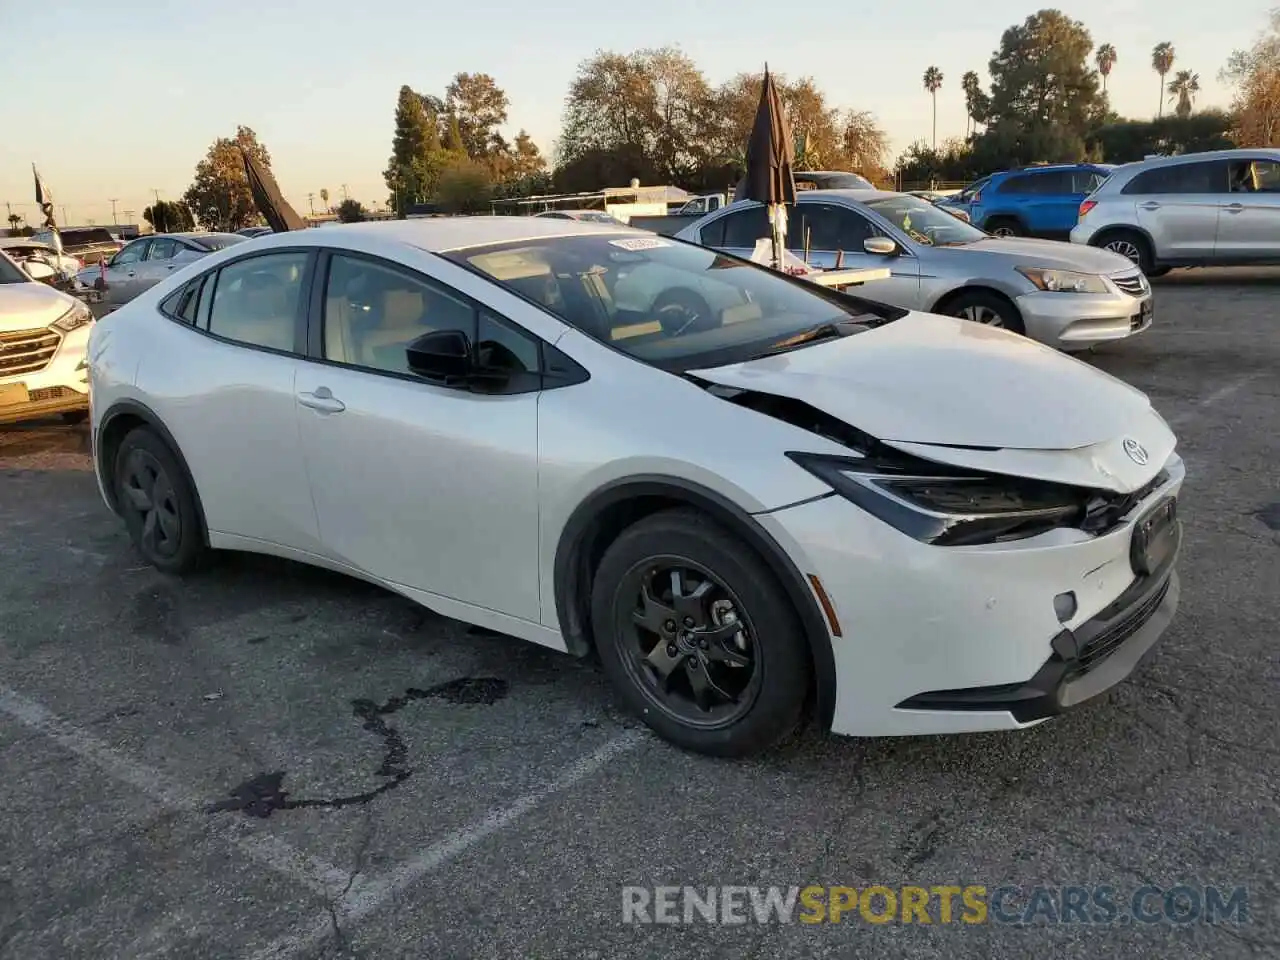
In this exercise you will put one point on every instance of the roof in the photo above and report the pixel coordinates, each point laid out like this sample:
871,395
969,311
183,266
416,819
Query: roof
1207,155
438,234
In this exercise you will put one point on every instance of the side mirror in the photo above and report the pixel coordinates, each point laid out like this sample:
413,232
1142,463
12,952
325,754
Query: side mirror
880,246
442,355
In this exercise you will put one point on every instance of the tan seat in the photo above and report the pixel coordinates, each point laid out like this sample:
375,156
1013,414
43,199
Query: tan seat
339,343
403,321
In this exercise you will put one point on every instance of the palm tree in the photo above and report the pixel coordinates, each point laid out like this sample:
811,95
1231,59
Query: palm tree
972,88
933,83
15,221
1105,58
1183,87
324,198
1162,63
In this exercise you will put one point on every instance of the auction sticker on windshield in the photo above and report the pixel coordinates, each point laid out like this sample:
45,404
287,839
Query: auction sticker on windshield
640,243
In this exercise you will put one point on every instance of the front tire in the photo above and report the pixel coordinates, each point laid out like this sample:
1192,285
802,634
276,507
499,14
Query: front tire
158,504
1005,227
985,308
698,637
1132,246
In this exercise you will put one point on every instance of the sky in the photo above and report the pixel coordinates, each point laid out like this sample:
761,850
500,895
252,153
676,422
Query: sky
122,99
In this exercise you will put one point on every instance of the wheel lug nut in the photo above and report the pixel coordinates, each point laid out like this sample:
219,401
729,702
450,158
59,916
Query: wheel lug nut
669,626
688,621
702,644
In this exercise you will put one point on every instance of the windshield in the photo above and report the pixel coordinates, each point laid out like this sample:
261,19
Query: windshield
923,222
10,272
668,303
217,241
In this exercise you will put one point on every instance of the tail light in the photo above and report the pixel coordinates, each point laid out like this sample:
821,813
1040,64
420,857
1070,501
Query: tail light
1086,207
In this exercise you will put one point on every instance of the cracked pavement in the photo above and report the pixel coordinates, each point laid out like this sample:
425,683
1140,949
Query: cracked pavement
130,703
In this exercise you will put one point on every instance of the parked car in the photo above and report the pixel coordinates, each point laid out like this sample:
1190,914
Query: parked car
251,232
921,525
43,337
1195,210
86,244
148,260
1057,293
585,216
39,260
1038,201
831,180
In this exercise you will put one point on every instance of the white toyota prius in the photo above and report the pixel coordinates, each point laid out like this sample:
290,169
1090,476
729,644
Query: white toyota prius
793,500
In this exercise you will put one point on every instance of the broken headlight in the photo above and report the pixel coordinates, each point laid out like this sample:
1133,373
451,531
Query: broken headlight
950,509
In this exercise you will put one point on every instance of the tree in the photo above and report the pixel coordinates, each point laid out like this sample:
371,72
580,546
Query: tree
1183,88
324,198
1126,141
479,107
1255,75
1044,93
169,217
1162,56
864,146
1105,59
416,159
15,221
526,157
219,195
933,83
976,101
650,103
351,211
817,126
464,187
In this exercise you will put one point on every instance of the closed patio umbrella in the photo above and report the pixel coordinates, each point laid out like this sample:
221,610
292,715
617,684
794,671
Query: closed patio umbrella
770,158
268,198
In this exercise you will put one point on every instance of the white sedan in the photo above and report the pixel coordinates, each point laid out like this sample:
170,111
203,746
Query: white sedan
916,523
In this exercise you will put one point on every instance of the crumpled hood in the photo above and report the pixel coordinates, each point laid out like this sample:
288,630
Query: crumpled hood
27,306
1051,254
930,385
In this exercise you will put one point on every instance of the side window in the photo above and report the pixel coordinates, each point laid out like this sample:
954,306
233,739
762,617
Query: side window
1209,177
184,305
743,228
1057,183
1255,176
827,227
131,254
162,249
1086,181
513,354
1017,186
373,312
712,234
256,300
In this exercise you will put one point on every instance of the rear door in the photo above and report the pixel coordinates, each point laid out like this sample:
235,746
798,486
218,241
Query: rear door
157,265
122,272
737,231
1249,214
1177,204
1049,204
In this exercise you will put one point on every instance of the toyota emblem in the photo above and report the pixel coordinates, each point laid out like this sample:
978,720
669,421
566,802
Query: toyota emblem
1136,451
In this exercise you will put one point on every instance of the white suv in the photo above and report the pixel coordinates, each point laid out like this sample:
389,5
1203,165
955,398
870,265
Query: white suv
1197,210
43,337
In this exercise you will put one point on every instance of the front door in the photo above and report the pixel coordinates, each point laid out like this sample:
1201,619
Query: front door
1178,206
831,236
420,484
1249,215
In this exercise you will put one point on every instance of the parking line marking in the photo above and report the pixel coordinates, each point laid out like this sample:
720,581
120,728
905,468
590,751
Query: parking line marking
1180,419
317,875
367,895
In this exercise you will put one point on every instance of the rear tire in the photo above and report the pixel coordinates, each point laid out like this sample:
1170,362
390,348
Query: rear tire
1005,227
979,306
158,504
1131,245
667,597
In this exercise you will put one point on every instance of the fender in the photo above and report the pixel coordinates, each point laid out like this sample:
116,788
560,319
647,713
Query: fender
579,542
136,409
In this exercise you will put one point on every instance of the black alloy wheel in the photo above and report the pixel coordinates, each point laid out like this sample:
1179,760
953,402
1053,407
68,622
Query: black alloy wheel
158,503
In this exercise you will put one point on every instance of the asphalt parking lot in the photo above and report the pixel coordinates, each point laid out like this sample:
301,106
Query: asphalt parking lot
451,793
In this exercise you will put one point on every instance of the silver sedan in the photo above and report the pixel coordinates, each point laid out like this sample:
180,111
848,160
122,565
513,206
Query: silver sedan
1064,295
146,261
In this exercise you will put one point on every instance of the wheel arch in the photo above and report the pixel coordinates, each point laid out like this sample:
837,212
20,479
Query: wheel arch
951,296
600,518
122,417
1100,237
997,216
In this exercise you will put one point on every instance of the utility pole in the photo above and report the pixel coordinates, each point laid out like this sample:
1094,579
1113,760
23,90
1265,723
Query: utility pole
311,205
345,196
113,211
128,215
64,216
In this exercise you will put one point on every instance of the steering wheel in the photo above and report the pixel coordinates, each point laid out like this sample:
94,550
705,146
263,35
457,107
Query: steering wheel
682,311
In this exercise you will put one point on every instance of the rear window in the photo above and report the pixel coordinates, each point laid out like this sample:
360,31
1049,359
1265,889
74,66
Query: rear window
1204,177
217,241
79,238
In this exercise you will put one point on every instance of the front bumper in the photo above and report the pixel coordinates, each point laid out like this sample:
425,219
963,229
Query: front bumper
1076,321
961,639
62,386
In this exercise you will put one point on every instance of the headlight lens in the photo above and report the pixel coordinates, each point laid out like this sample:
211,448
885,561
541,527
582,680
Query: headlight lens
77,316
1064,281
951,510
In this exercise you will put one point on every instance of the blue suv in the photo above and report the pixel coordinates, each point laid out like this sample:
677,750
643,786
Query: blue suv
1039,201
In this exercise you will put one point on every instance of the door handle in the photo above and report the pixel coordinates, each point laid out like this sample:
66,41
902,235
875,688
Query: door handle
322,399
1150,205
1234,208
